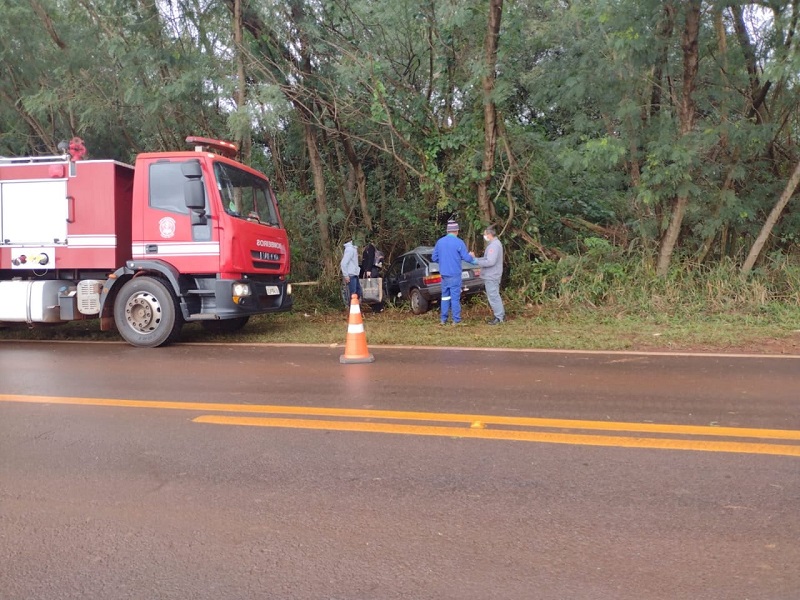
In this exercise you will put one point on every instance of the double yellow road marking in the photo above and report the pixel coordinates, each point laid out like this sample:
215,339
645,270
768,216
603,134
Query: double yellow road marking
527,429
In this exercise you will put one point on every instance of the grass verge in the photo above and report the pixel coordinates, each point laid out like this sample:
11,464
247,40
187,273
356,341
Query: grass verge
772,329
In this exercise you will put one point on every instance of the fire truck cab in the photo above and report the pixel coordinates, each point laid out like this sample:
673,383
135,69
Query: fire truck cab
179,237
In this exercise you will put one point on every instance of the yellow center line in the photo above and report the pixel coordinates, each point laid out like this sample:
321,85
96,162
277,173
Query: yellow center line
477,425
740,432
501,434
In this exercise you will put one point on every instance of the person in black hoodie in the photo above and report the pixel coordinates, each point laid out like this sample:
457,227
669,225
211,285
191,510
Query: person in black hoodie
371,265
371,261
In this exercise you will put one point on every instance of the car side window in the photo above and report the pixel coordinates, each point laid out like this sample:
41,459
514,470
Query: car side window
394,270
410,264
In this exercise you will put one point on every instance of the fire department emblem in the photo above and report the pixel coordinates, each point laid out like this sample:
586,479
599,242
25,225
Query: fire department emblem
166,227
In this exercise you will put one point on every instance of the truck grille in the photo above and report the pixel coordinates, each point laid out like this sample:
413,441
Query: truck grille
262,264
266,260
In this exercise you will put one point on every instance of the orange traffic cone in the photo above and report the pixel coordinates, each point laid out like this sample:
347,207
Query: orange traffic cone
355,348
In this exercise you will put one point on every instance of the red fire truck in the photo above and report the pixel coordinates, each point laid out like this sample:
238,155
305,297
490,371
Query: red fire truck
180,237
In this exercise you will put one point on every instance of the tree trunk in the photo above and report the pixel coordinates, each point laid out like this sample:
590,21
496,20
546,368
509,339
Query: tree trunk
705,248
326,251
279,180
47,22
691,60
241,91
489,108
664,33
358,172
757,92
772,219
361,187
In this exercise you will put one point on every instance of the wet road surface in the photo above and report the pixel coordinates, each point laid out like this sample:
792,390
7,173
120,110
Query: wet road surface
213,471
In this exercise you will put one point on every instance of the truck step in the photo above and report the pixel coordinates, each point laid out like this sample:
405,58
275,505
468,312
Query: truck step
203,317
200,292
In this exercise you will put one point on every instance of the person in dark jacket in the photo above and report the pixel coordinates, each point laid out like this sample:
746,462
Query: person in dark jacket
449,251
369,264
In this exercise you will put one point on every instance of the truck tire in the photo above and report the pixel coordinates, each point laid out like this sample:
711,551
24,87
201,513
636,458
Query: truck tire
418,303
146,313
225,325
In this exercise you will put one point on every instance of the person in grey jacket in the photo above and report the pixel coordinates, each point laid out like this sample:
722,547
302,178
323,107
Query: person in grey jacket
350,268
491,264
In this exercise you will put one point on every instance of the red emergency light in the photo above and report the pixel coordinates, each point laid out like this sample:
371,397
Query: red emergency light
201,144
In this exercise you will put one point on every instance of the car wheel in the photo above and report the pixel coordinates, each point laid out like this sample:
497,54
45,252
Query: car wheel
418,303
146,313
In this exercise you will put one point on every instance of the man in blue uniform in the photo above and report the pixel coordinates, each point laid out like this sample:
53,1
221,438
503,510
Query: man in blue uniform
449,251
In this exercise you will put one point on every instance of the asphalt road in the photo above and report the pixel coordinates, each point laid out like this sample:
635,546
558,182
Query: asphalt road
214,471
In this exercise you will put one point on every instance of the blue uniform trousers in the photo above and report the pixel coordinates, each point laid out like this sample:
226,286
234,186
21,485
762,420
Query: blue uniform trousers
451,298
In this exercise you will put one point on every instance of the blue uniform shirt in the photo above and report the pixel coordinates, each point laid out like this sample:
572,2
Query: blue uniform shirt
449,251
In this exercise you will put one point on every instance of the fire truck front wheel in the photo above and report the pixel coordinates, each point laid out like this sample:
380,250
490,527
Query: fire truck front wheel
146,313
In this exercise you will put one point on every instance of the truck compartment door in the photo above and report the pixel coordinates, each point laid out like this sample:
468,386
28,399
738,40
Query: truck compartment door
33,212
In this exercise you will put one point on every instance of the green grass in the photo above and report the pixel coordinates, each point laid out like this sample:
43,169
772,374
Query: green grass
769,329
598,301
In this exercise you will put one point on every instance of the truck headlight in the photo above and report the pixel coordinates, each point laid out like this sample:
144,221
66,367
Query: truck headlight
289,289
241,290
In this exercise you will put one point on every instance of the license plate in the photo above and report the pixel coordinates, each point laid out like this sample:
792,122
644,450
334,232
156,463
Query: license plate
464,274
272,290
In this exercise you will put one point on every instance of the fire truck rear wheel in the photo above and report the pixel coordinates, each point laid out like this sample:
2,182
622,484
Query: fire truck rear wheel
146,313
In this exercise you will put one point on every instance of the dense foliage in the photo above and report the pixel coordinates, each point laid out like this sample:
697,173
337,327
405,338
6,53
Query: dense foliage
656,133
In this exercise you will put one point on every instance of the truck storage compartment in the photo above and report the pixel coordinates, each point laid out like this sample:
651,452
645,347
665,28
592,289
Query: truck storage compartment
31,301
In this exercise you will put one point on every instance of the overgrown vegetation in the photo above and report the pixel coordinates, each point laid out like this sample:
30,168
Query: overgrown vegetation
600,300
603,275
634,153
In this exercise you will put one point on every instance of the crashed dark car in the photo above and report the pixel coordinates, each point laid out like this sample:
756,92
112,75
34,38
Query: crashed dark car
414,276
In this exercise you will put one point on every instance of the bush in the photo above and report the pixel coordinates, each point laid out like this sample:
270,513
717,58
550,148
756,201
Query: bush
605,275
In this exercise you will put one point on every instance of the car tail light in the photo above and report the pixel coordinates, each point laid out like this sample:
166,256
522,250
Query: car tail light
432,279
476,272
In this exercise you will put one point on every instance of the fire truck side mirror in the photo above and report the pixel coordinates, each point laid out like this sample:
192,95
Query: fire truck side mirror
193,191
194,194
191,169
195,198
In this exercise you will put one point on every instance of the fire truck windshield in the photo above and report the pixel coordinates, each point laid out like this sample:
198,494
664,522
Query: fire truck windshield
245,196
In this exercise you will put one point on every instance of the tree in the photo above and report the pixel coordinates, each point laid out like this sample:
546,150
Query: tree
485,206
691,61
773,217
668,127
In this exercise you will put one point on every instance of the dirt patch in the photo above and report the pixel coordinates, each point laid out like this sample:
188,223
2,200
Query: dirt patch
789,345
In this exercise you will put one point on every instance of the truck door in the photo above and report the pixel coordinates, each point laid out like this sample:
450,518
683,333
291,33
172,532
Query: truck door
169,232
33,221
33,212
